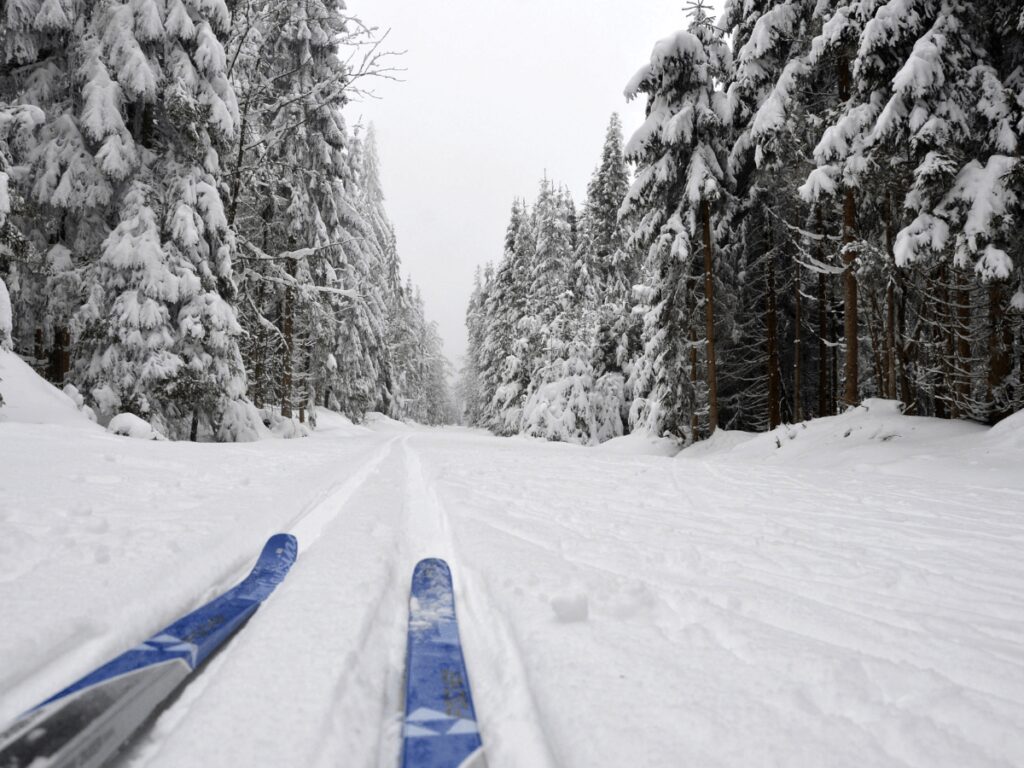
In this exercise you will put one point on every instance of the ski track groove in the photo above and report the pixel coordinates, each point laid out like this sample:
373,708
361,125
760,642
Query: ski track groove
307,526
506,706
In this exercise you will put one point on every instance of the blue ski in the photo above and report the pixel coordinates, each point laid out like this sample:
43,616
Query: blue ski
440,723
84,724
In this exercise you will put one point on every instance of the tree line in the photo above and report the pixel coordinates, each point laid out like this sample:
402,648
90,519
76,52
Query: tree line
823,204
189,229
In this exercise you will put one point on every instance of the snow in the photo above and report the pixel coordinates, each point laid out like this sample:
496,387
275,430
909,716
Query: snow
130,425
30,400
571,607
639,443
844,592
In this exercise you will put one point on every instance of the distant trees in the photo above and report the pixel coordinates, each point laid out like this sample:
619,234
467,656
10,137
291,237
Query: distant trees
828,211
188,229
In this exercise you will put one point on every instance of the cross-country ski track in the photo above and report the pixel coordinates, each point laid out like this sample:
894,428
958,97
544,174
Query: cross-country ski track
719,608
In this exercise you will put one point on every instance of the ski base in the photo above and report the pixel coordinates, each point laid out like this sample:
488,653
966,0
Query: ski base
84,724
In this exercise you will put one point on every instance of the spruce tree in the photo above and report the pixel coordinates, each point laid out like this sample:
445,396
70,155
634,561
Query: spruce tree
681,152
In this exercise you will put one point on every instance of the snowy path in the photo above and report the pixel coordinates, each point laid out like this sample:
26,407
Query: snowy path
737,614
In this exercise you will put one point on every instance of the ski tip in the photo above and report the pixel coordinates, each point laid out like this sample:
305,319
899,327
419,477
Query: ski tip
432,564
283,547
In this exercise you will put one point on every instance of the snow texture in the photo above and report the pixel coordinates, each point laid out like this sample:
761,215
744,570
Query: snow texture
844,592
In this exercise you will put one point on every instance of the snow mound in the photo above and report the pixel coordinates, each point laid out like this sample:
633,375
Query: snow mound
241,422
71,391
130,425
30,399
1008,434
339,423
379,422
283,427
721,441
571,608
874,433
640,444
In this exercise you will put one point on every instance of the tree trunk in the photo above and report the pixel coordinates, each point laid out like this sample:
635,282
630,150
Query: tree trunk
60,356
1000,343
40,352
774,415
288,331
890,306
948,314
850,324
823,309
833,404
193,434
693,381
709,307
904,346
797,320
877,353
963,343
823,387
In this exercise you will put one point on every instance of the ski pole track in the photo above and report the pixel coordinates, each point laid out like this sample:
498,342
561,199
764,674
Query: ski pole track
511,724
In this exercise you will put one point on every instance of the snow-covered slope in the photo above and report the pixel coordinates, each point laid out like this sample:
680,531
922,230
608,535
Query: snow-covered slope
847,596
28,399
875,432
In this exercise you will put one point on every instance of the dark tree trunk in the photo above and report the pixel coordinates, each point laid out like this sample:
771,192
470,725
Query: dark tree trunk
890,307
963,343
797,341
288,331
850,324
774,413
1000,344
709,308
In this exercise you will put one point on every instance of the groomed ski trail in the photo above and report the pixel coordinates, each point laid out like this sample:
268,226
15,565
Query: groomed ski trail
509,722
313,653
636,610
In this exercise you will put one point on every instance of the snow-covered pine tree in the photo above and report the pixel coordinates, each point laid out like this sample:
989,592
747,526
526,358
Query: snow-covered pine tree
120,182
953,103
507,346
611,271
760,221
321,268
681,150
557,356
471,386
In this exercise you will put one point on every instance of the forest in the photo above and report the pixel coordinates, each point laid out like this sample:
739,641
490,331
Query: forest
823,205
189,229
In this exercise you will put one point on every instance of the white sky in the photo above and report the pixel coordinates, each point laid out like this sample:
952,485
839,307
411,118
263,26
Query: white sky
495,93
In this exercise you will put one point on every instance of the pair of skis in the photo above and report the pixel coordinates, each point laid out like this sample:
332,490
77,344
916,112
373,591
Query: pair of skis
85,724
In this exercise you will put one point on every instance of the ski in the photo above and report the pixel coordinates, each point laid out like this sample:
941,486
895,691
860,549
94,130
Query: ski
440,723
84,724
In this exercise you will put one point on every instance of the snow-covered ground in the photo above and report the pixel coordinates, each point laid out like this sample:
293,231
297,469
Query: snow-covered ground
845,593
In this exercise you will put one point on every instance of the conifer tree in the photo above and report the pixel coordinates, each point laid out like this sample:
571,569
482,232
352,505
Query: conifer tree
681,152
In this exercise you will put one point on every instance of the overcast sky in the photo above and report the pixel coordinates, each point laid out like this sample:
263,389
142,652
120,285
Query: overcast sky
495,93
